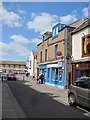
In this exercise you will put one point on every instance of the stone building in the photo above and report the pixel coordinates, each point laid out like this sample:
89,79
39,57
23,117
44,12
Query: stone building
57,69
12,66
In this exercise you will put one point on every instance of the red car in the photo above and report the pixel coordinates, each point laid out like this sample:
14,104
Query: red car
11,77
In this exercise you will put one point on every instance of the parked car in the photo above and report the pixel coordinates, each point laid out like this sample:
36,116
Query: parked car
11,77
79,92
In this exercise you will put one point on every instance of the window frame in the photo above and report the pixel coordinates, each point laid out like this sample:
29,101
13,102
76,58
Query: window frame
55,50
48,73
46,55
83,40
83,80
41,56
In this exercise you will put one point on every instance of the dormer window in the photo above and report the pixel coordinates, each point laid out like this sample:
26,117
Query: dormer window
53,32
56,29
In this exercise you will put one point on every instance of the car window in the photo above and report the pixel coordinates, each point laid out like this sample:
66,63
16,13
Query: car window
83,83
76,82
89,84
11,74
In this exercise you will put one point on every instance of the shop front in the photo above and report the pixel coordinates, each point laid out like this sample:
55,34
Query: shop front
54,73
80,69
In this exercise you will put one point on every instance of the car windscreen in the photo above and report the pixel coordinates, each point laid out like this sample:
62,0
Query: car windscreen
11,74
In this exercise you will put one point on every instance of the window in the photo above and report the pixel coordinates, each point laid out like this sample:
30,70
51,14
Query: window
53,32
46,55
62,26
86,46
57,30
89,84
41,56
56,49
83,83
14,66
76,82
53,73
56,74
48,73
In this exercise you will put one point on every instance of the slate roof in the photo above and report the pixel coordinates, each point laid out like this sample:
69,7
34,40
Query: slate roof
82,26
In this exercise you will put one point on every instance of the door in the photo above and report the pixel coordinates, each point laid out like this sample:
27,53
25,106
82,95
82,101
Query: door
82,92
89,94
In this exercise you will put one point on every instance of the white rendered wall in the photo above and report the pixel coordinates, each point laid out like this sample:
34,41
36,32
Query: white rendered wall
31,58
77,44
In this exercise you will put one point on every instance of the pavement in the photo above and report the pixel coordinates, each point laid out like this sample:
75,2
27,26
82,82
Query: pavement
10,107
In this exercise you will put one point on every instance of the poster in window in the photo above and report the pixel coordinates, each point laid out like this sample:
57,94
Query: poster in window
86,45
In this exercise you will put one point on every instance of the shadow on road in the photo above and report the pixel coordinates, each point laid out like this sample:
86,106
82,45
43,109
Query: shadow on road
37,104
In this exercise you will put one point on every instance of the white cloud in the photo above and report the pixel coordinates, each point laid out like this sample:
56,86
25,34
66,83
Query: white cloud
19,49
21,11
85,12
68,18
18,45
10,18
45,21
36,41
4,48
20,39
42,23
33,15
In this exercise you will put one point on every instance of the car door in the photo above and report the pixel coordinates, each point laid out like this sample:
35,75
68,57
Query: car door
82,92
89,94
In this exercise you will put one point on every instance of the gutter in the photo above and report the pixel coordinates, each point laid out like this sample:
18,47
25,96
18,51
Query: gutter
65,31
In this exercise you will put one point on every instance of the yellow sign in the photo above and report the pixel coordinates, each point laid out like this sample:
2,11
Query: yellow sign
85,44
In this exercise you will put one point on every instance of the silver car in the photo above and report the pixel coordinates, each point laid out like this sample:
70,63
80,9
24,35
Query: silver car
79,92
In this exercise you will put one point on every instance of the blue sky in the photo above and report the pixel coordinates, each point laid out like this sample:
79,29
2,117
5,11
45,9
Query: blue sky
23,24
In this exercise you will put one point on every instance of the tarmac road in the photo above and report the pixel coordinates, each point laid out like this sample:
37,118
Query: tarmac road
41,105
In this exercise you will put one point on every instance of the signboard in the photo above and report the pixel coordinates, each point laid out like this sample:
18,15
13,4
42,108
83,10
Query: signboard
54,65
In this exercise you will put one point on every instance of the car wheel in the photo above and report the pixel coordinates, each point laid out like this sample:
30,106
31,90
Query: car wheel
72,100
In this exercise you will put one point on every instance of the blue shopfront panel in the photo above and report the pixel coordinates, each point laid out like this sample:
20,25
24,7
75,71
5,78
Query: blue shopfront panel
52,80
42,66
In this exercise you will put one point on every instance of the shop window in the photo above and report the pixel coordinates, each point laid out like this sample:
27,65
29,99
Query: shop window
53,73
48,73
86,46
56,74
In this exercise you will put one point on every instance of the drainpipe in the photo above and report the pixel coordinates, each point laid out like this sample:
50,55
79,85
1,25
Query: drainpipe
65,82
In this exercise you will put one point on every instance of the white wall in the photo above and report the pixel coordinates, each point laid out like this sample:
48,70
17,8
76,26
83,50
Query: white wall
77,44
31,58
